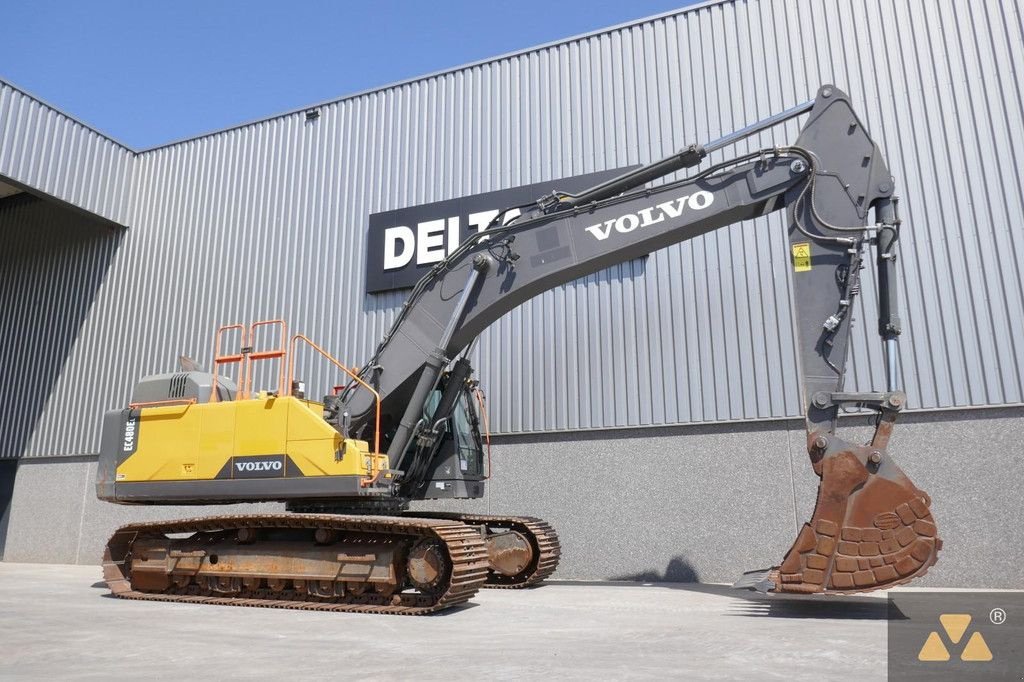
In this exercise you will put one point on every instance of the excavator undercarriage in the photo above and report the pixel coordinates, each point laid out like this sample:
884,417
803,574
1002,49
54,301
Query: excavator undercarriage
408,565
331,562
411,423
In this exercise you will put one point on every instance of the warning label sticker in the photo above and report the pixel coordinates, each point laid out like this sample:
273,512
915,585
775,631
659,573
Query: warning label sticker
801,257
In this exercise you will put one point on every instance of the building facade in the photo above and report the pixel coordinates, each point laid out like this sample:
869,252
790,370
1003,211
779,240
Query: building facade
658,399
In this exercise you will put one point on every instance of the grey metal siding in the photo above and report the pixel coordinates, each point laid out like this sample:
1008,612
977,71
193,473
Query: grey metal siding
48,151
52,264
268,219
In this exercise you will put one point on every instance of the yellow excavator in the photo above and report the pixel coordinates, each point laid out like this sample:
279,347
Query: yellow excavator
406,425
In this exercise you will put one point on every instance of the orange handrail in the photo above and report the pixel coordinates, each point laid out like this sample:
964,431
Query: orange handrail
346,370
269,354
286,353
219,359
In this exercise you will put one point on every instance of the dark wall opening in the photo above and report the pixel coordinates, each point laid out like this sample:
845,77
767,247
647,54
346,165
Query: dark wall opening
8,469
52,264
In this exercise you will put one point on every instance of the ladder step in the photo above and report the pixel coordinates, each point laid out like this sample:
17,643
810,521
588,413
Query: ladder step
222,359
266,354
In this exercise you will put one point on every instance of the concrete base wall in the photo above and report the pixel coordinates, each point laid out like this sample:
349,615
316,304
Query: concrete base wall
690,503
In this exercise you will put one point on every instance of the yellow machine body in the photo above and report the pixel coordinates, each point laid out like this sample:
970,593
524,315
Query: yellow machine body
240,449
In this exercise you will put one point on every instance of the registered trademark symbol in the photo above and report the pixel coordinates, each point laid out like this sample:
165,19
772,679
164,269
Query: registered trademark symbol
997,616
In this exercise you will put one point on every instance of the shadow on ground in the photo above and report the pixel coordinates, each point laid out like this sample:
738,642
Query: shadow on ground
750,603
679,570
681,575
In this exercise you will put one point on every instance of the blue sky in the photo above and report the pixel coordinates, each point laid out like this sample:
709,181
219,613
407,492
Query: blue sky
151,72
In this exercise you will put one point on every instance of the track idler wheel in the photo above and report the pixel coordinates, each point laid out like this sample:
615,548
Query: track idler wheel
871,528
426,566
509,553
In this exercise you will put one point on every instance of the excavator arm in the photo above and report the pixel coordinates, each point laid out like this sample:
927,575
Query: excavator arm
871,527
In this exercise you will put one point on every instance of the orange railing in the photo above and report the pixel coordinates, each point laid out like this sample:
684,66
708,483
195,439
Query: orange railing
246,355
279,352
375,469
221,359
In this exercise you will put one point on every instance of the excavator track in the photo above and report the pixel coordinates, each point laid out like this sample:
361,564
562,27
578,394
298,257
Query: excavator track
545,548
386,565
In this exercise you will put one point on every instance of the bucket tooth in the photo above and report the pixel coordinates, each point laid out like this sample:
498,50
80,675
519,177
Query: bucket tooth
759,580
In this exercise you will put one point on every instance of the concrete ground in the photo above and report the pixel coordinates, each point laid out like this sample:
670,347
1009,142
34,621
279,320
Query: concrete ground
58,622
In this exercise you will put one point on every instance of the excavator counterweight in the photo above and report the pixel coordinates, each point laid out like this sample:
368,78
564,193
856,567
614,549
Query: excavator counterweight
410,423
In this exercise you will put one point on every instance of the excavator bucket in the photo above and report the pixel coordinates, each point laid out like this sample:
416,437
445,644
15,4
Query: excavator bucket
872,528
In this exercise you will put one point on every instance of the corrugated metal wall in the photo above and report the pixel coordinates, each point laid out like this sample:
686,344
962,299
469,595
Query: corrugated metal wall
269,219
48,151
52,264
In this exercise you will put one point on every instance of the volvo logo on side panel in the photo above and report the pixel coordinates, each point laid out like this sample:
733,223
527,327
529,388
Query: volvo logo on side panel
258,466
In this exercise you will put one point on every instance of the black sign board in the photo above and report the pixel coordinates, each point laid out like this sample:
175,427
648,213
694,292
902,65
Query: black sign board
403,245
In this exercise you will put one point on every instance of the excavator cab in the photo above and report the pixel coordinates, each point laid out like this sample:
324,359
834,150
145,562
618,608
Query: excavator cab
457,468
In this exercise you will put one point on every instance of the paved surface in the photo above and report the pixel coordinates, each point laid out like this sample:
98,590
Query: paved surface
58,622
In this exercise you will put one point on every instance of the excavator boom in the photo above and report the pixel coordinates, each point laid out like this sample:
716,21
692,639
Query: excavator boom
872,527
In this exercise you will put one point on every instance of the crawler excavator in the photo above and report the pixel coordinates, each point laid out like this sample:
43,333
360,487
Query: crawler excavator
406,425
